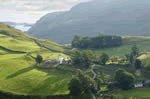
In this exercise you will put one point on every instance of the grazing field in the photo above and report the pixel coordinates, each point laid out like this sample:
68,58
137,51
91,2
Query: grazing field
17,75
18,71
134,92
18,45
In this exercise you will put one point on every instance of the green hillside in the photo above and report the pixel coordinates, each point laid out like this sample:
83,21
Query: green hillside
17,72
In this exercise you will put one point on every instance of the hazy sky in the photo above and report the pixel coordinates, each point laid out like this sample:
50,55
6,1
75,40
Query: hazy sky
30,11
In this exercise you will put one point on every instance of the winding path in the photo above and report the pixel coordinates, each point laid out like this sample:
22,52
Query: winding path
93,71
93,78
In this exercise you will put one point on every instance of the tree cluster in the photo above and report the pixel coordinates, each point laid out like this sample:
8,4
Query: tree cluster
103,58
96,42
80,84
132,57
80,58
125,79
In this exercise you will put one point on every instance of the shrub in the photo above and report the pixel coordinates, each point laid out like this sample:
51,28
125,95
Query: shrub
125,79
118,73
39,59
81,83
138,64
80,58
75,87
104,58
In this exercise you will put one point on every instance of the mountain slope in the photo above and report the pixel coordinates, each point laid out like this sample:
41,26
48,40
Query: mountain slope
119,17
18,71
23,41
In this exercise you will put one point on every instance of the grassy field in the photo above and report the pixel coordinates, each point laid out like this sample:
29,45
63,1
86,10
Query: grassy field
134,92
18,76
18,45
18,73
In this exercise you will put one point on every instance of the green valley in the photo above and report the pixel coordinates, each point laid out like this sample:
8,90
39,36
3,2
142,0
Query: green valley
21,75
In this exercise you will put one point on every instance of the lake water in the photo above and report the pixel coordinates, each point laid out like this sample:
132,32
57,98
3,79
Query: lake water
22,27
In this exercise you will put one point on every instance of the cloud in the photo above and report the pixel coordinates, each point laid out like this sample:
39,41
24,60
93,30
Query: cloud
32,9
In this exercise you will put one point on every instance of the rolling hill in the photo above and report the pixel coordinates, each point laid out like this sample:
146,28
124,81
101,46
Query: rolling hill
18,73
115,17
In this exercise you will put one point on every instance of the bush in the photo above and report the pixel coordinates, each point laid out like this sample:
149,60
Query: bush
81,83
39,59
138,64
118,73
125,79
75,87
104,58
135,50
80,58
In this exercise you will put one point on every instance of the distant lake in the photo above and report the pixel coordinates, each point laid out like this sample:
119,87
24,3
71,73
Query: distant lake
23,28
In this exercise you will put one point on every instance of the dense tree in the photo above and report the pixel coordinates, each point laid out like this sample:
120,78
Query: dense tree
125,79
39,59
132,58
99,41
135,50
118,73
75,87
138,64
76,57
80,58
104,58
81,83
91,56
127,57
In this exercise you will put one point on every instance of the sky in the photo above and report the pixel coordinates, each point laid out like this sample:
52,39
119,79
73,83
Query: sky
29,11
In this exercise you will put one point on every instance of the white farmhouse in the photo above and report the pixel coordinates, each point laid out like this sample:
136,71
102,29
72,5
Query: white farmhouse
60,60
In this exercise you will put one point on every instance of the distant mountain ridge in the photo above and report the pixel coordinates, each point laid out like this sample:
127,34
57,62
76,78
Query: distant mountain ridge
116,17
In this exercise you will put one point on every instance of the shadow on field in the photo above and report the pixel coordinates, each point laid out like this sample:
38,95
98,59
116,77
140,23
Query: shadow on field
50,85
4,95
21,72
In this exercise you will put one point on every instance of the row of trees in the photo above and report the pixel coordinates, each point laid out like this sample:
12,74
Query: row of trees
96,42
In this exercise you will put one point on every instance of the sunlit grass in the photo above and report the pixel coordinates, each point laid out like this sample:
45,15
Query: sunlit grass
18,45
18,76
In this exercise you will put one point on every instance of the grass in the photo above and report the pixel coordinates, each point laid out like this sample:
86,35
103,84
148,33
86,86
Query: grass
18,45
2,52
17,76
134,92
13,35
